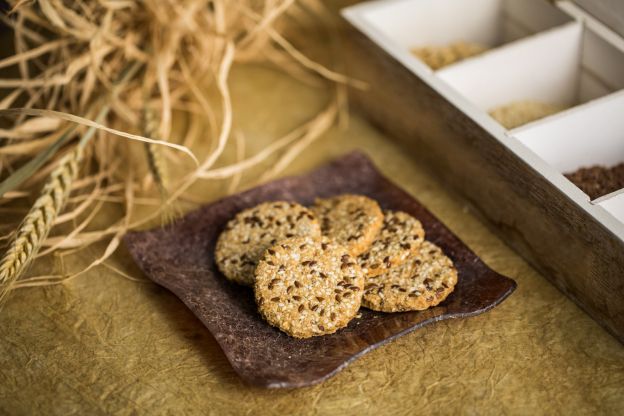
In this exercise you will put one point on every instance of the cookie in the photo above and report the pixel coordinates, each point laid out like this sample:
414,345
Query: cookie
437,57
307,287
400,236
424,280
517,113
252,231
350,220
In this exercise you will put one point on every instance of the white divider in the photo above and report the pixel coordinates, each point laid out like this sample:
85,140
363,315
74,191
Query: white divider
523,18
603,65
592,134
615,206
545,67
412,23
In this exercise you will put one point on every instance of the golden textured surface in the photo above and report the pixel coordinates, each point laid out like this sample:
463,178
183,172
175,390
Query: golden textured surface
102,344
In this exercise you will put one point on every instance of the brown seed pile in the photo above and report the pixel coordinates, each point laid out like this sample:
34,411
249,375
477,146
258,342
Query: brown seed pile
307,285
597,181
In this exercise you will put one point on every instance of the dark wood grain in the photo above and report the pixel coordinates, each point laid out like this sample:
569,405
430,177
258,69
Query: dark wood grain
567,245
180,258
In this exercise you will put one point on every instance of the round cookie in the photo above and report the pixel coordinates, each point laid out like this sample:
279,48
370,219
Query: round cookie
425,280
307,287
399,237
350,220
252,231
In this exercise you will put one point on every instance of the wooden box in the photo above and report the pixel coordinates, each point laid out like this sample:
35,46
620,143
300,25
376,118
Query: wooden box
557,53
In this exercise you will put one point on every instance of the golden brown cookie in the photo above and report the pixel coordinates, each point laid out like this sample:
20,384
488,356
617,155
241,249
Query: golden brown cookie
350,220
399,237
253,230
425,280
307,287
437,57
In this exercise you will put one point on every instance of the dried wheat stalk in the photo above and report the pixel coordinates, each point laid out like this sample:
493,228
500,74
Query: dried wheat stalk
39,220
69,54
155,159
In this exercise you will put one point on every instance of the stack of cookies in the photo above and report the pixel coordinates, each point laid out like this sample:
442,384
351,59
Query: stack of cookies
312,268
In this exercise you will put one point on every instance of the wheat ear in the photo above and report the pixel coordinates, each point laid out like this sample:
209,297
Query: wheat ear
155,159
158,166
39,220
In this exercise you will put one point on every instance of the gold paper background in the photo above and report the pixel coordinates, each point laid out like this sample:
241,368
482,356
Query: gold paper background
102,344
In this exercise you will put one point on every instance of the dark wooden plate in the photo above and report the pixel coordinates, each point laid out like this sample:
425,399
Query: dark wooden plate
180,258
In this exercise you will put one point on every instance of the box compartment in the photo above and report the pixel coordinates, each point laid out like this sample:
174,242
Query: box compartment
589,135
614,204
565,66
415,23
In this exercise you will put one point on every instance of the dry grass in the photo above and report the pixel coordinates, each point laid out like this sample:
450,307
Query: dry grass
73,61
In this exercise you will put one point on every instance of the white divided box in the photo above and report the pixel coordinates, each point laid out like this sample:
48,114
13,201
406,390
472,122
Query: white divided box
588,135
544,68
541,52
413,23
566,66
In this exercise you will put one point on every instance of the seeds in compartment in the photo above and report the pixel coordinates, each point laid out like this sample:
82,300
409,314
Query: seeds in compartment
517,113
437,57
597,181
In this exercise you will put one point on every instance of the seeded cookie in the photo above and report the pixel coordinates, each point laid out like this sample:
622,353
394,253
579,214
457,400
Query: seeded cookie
424,280
253,230
307,287
350,220
399,237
